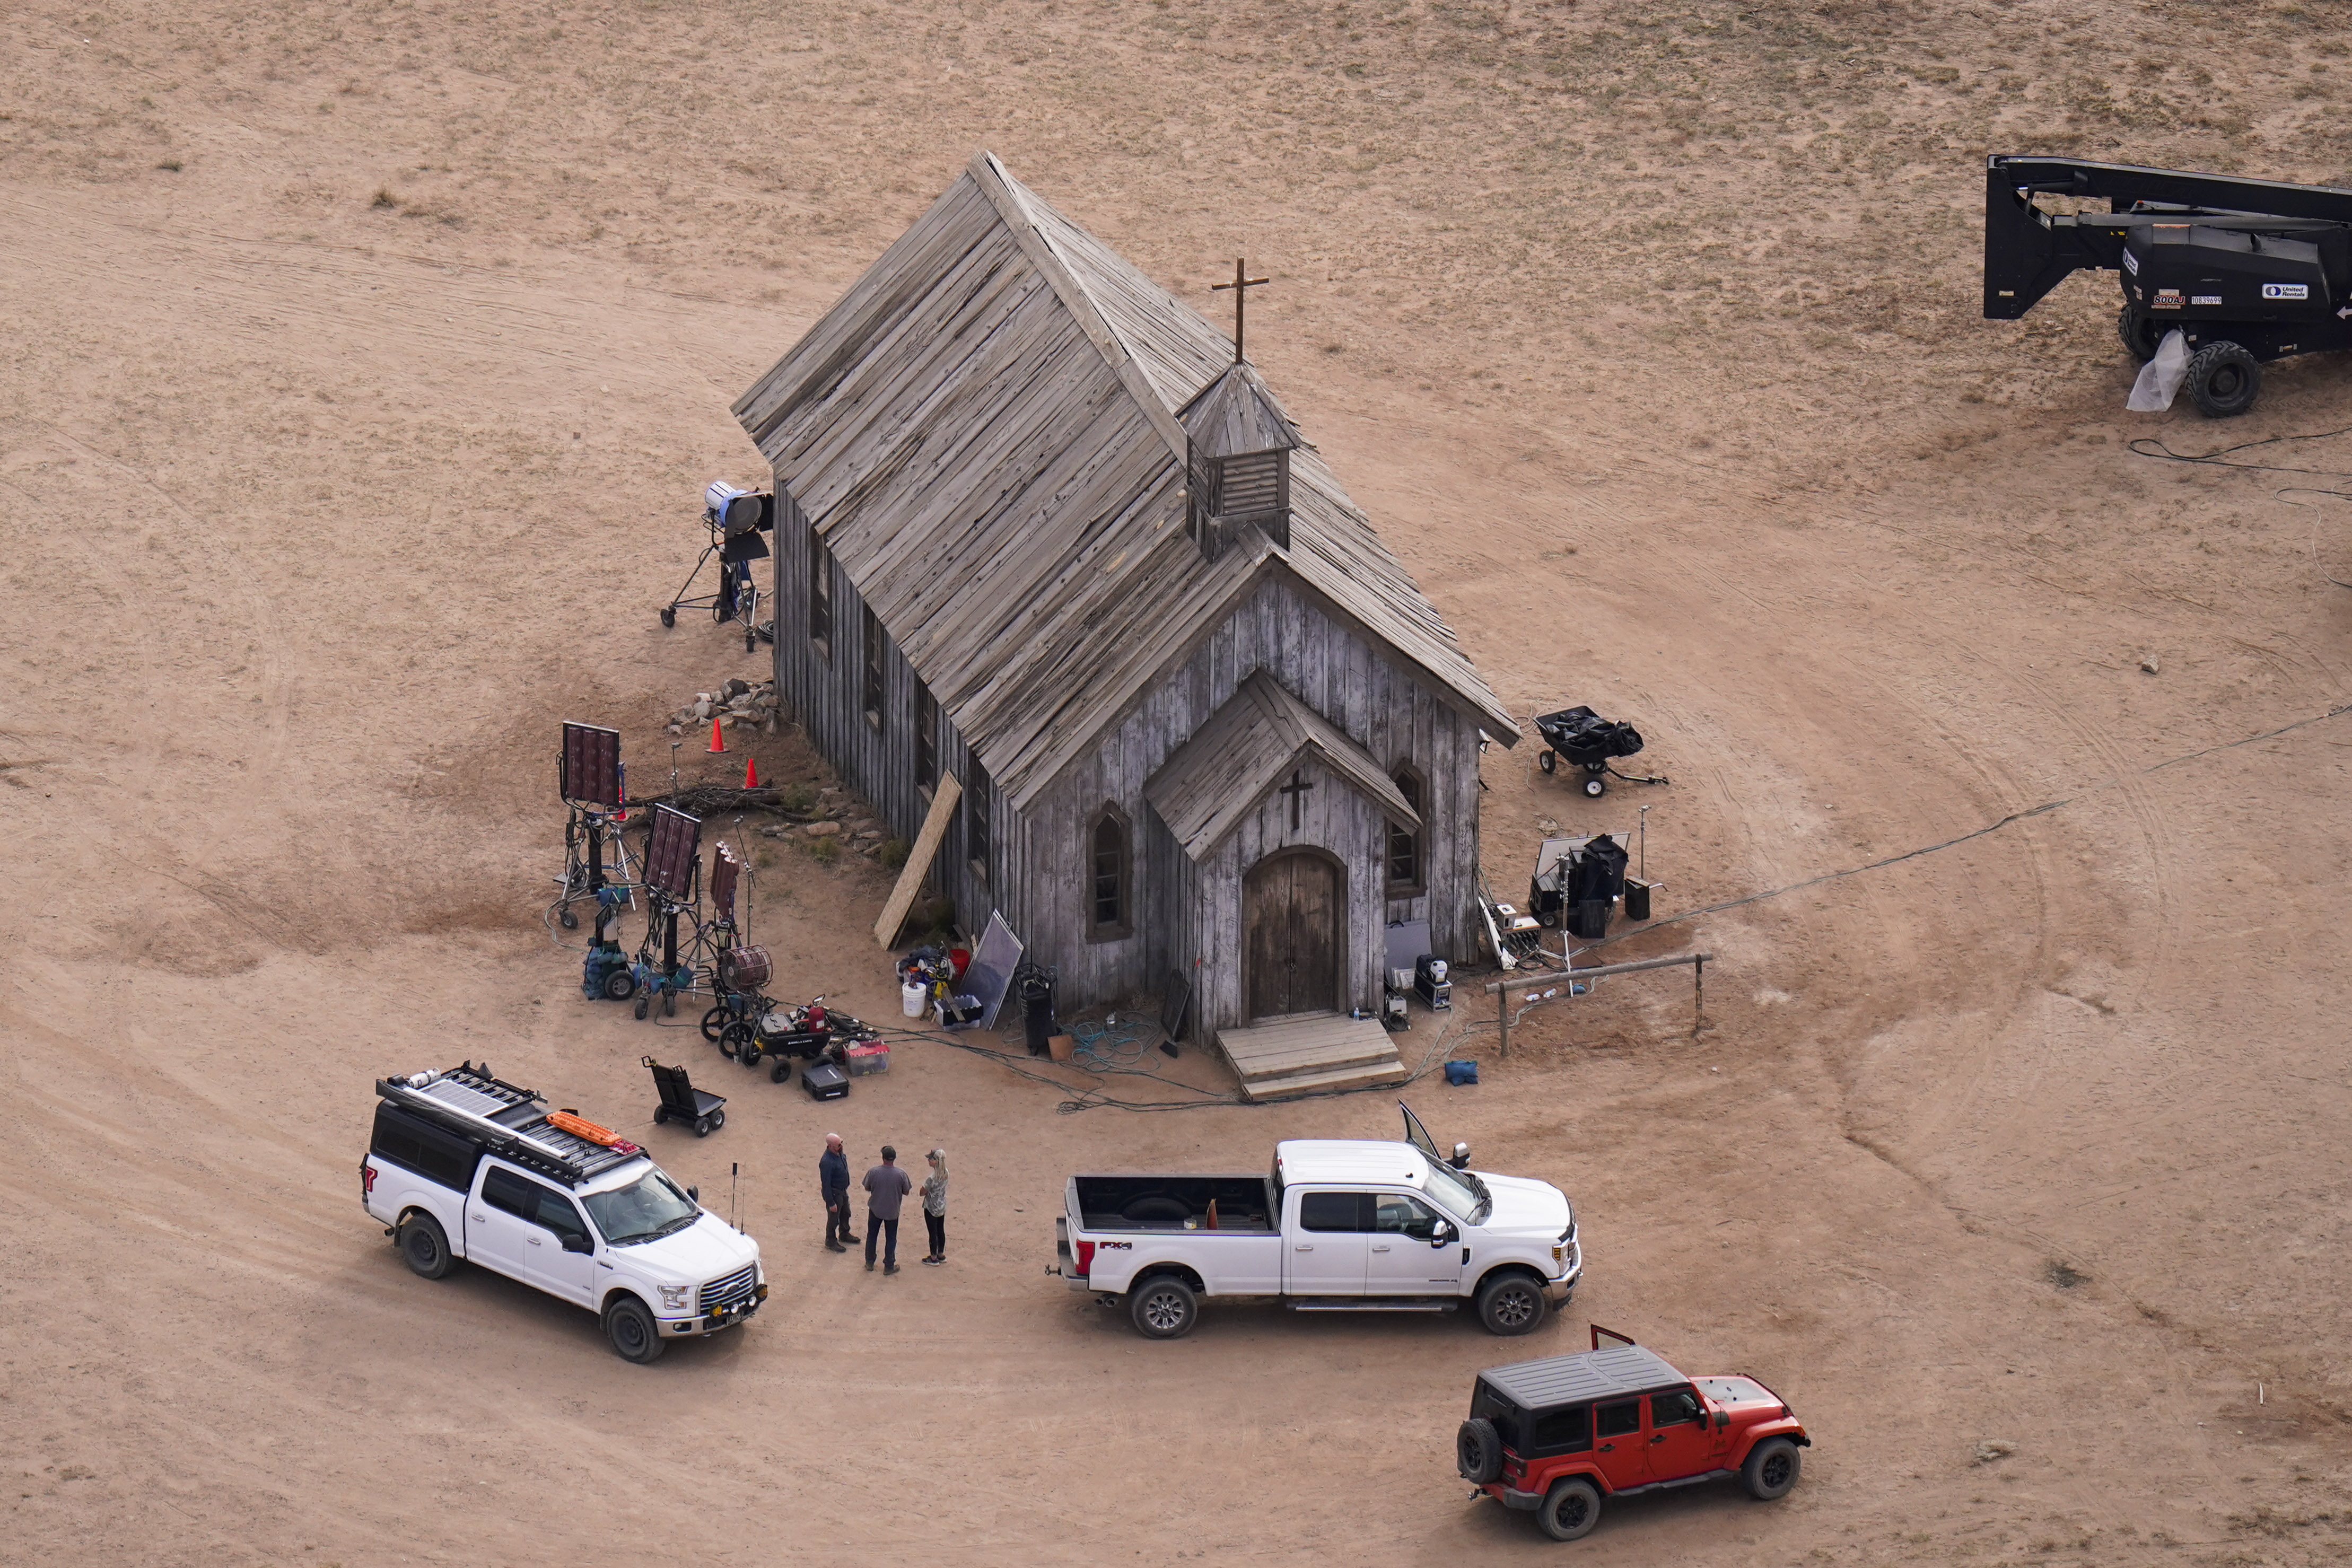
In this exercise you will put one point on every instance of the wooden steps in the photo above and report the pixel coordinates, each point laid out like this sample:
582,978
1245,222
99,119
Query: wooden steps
1316,1052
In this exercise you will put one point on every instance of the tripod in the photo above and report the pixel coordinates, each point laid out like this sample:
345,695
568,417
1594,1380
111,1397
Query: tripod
737,595
585,834
670,978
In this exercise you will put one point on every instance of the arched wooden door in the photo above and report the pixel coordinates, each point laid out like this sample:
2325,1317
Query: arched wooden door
1294,908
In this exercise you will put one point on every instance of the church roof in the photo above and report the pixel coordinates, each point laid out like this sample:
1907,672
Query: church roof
1218,777
985,432
1237,412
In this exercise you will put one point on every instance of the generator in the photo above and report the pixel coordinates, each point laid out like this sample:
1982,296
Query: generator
2248,270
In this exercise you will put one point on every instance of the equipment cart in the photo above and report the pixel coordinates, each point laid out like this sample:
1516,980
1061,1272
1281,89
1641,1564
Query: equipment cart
1588,741
681,1101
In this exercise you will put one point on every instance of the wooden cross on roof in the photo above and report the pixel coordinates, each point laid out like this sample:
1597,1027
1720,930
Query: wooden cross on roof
1241,285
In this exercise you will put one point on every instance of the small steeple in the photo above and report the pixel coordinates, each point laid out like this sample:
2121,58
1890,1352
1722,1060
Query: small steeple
1240,442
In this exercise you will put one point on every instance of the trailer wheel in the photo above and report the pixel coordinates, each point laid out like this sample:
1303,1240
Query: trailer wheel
425,1247
781,1072
631,1330
2223,379
1569,1510
620,986
1511,1304
2139,332
1546,760
1771,1470
1163,1307
1595,785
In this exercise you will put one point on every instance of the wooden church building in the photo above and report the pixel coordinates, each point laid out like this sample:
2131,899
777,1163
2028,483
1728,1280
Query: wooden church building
1040,529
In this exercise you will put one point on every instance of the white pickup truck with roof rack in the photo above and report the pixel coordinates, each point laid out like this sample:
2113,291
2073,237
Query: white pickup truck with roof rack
464,1165
1339,1225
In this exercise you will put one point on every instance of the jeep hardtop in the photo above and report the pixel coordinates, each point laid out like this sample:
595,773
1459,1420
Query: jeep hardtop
464,1165
1556,1436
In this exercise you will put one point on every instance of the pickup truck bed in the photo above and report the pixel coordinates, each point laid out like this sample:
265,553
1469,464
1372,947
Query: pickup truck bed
1144,1203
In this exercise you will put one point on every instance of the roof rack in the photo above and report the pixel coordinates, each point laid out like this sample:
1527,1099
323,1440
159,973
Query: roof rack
506,1118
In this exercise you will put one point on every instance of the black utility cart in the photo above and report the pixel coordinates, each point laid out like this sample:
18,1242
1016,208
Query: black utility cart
681,1101
1588,741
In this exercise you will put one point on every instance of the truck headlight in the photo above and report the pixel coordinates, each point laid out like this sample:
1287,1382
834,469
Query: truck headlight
675,1298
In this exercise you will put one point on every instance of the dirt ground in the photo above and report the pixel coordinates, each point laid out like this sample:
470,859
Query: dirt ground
362,366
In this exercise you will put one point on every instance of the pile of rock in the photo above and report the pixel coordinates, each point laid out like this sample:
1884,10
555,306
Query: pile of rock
843,817
735,702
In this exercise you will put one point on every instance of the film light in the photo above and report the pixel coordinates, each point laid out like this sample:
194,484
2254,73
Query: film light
589,772
737,511
724,868
670,859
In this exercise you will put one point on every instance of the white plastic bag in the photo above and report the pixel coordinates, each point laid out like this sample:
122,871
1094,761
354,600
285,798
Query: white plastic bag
2161,377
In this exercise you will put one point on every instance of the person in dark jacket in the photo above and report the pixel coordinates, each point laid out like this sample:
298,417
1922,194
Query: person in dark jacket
887,1187
833,1183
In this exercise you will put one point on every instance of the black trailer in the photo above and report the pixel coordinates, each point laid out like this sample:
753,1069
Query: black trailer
2250,270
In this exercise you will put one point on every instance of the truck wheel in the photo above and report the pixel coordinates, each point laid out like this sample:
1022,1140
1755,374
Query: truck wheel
425,1246
1479,1451
2223,379
1772,1469
631,1329
1163,1307
2139,332
1569,1510
1511,1304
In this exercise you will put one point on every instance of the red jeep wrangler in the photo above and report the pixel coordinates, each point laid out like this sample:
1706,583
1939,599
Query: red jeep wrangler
1559,1435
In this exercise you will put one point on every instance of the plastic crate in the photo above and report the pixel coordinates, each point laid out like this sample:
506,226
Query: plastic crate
863,1061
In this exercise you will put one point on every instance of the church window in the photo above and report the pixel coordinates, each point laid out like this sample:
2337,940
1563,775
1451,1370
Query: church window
1109,877
1405,842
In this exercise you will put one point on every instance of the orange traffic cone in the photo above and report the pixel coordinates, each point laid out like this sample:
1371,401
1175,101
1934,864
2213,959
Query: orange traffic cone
750,773
718,740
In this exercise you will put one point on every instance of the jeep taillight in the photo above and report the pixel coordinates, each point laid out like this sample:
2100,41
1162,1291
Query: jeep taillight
1515,1469
1086,1259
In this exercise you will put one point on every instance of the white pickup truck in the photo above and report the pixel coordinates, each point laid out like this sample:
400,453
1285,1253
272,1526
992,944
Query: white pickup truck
464,1165
1339,1226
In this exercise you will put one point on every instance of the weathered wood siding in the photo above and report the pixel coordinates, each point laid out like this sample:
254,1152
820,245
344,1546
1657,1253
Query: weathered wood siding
826,696
1187,918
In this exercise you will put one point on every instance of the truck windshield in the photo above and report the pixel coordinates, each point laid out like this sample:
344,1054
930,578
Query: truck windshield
648,1208
1458,1193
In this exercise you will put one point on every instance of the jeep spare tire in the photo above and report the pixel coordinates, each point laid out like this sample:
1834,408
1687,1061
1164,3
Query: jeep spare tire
1511,1304
1770,1469
1569,1510
1479,1451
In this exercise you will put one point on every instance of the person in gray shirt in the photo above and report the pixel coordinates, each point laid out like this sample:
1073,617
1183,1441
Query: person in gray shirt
887,1187
935,1206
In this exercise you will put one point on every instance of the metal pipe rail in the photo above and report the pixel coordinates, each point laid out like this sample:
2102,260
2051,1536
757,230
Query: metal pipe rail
1502,988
